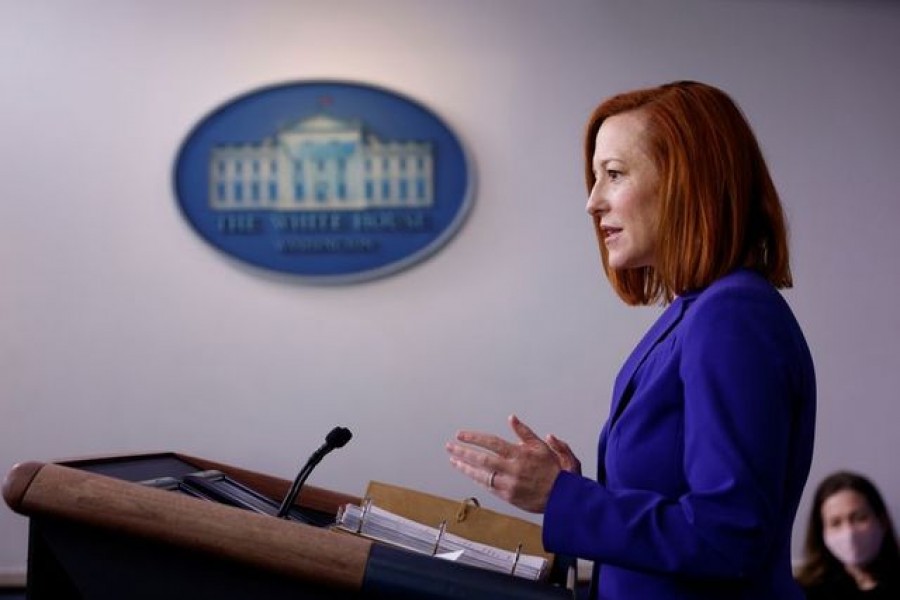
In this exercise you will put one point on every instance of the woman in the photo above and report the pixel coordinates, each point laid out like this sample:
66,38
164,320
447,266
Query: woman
707,448
851,546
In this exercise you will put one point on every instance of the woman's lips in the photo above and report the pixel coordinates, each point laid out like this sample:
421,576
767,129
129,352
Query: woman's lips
610,234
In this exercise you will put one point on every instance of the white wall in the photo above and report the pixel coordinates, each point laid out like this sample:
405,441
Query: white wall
122,331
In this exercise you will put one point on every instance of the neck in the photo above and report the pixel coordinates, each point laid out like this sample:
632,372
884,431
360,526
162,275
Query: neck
864,580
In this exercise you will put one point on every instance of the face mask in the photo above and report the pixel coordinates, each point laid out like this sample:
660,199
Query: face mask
854,546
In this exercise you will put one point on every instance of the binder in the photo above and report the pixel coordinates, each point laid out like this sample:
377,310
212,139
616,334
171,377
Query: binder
463,518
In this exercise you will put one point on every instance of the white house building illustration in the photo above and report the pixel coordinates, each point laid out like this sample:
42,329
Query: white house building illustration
321,163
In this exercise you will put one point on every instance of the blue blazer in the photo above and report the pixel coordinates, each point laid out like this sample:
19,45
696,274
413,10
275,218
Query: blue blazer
703,459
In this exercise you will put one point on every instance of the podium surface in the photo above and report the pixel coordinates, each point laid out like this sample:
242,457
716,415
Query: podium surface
97,534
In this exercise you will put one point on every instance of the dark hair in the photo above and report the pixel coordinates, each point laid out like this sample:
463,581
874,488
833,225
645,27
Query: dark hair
719,209
819,563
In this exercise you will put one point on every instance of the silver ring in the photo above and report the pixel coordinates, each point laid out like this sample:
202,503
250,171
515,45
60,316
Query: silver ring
491,479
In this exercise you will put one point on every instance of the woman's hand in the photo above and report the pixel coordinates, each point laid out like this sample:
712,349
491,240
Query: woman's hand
521,473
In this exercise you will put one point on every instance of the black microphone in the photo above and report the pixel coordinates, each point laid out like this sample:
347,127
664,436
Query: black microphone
336,438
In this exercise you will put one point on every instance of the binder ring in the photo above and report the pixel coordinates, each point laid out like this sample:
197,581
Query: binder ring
440,535
512,571
463,511
367,503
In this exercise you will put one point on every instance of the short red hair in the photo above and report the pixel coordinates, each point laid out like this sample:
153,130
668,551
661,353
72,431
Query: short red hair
719,209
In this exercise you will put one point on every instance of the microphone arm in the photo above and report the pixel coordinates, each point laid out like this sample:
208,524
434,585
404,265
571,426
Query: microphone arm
336,438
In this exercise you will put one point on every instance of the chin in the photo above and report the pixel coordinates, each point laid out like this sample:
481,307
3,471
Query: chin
619,263
623,264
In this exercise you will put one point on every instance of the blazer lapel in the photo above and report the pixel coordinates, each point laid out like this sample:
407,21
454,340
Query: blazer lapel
654,335
670,317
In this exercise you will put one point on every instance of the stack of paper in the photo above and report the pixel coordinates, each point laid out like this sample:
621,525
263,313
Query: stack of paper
385,526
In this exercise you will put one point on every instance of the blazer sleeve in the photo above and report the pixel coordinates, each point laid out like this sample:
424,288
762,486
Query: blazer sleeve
742,371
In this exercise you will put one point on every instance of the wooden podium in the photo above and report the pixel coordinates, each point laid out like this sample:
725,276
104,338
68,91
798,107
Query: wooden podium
96,534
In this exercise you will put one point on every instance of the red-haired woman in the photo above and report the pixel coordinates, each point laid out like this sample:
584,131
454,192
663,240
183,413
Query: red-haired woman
708,444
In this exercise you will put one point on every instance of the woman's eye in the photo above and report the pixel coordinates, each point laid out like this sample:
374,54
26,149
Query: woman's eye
612,174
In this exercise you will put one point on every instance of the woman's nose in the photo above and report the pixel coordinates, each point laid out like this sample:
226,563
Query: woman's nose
595,203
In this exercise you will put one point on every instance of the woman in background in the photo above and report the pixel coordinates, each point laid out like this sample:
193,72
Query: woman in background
851,546
703,459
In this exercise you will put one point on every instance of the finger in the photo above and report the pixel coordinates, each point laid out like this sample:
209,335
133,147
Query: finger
475,458
477,475
522,430
487,441
564,454
558,446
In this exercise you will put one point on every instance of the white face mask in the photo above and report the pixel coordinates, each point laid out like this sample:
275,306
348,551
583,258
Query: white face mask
855,546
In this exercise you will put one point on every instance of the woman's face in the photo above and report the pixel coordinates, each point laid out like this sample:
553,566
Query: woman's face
851,530
624,199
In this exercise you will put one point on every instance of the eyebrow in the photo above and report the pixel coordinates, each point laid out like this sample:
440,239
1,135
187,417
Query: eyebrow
606,161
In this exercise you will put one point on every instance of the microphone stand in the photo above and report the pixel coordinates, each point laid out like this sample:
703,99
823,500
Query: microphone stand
292,494
336,438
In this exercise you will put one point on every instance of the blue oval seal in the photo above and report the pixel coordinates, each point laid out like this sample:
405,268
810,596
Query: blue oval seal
330,181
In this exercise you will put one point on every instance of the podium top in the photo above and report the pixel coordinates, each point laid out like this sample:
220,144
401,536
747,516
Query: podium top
310,555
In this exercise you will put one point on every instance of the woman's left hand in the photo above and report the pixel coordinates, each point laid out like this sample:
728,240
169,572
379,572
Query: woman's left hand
521,473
